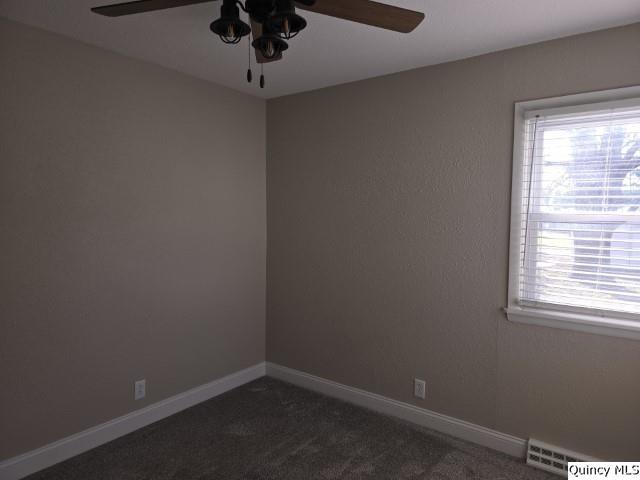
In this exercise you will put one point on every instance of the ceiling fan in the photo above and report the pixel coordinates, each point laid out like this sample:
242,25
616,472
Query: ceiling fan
275,21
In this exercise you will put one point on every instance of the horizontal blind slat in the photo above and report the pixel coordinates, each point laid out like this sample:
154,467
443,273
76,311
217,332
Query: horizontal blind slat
545,279
585,292
569,271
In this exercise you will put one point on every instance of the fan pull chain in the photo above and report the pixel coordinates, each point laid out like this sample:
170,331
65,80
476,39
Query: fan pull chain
262,75
249,74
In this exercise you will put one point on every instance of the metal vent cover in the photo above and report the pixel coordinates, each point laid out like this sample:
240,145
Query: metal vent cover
552,458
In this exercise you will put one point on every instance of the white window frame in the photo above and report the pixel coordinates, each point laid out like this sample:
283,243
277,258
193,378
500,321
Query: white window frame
598,322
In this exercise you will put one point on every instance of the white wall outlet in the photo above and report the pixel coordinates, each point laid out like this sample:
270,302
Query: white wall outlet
419,388
140,389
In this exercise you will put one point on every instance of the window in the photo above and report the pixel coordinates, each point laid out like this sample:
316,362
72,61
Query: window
575,225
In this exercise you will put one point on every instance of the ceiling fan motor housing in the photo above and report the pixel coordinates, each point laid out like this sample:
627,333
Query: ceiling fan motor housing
260,10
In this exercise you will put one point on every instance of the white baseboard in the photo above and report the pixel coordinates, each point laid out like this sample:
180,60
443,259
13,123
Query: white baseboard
442,423
31,462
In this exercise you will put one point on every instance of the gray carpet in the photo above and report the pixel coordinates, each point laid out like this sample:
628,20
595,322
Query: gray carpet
269,430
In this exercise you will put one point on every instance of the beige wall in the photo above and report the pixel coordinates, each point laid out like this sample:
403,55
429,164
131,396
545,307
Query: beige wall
132,220
388,224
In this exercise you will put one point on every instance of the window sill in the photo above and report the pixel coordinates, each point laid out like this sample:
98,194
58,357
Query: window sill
613,327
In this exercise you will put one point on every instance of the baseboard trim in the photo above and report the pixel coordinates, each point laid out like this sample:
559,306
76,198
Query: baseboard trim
442,423
31,462
18,467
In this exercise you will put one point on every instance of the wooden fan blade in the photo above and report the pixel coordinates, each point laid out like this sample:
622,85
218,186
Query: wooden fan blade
368,12
256,32
141,6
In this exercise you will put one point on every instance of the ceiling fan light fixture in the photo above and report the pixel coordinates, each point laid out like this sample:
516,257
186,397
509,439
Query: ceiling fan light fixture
285,22
274,21
269,44
229,27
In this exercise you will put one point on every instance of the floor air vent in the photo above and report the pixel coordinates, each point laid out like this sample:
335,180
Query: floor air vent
551,458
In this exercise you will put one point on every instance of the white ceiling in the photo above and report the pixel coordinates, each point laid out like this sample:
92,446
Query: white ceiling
329,51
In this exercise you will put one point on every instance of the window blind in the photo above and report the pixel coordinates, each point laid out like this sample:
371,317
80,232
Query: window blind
580,212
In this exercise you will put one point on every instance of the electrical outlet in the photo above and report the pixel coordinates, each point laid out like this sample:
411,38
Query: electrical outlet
140,389
419,388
